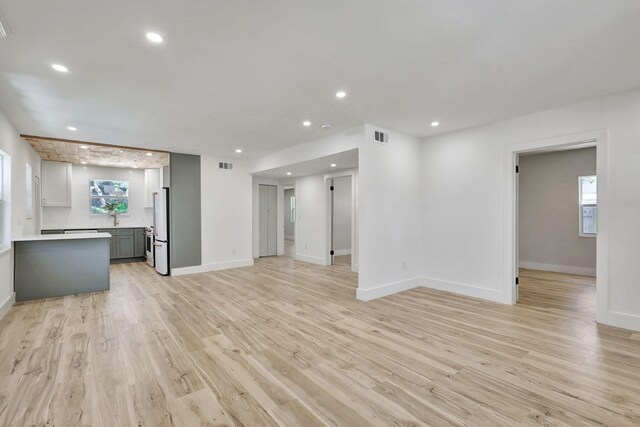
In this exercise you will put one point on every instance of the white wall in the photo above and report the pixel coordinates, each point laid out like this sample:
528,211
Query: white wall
226,215
549,223
463,193
20,153
289,227
342,215
79,216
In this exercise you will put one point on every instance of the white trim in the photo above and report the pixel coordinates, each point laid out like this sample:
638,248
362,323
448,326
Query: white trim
599,138
622,320
388,289
568,269
464,289
6,305
311,259
426,282
340,252
211,267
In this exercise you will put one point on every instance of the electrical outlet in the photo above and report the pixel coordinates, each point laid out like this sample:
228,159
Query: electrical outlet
404,265
233,251
306,247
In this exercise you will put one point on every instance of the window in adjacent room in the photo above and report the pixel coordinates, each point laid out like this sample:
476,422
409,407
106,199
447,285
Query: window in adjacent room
588,199
293,209
5,185
103,191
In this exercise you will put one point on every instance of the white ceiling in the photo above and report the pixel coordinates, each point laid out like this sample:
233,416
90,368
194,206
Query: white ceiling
322,165
246,73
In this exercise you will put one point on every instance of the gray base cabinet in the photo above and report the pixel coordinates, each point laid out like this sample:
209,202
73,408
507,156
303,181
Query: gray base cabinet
125,244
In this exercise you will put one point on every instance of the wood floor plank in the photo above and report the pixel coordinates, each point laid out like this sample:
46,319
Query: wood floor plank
286,343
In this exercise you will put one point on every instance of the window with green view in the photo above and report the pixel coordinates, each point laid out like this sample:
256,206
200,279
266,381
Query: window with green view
103,191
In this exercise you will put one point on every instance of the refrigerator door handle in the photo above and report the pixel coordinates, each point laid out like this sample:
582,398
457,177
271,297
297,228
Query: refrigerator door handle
155,228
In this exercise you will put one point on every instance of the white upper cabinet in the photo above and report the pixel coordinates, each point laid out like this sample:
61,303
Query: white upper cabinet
56,184
152,182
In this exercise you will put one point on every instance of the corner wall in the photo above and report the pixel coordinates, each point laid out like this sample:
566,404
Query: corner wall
16,224
465,209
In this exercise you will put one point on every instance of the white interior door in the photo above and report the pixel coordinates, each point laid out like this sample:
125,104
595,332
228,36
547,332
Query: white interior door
268,220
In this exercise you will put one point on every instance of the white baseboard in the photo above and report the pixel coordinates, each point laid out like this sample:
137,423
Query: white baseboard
288,237
622,320
340,252
567,269
6,304
464,289
211,267
311,259
388,289
440,285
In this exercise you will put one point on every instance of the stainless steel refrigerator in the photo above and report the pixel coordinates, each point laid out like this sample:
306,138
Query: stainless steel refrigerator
161,230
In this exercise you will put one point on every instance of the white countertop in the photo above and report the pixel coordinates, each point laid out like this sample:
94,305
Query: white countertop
42,237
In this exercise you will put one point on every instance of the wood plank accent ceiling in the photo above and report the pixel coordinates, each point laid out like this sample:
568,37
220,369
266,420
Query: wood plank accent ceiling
96,154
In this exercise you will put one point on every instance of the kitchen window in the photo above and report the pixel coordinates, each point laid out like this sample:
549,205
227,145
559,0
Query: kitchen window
103,191
588,209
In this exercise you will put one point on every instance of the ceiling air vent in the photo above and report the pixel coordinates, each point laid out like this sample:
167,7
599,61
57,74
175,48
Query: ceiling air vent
223,165
380,137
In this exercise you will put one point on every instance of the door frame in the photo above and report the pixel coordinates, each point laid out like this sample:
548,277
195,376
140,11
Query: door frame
597,138
353,173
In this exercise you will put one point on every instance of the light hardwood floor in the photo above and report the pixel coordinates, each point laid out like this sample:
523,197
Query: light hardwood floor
286,343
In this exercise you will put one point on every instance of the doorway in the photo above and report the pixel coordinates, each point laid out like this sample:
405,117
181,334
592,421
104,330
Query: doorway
268,220
289,209
535,281
341,220
557,229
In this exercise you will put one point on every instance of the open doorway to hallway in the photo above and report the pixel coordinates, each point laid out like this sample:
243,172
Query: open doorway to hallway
289,210
304,228
557,230
340,220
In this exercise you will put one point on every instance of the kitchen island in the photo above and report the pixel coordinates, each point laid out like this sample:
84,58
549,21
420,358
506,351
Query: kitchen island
56,265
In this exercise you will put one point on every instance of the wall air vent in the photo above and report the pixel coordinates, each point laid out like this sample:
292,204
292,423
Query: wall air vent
380,137
223,165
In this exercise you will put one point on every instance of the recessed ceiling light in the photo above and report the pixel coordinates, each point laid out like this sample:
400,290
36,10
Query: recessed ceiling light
333,165
84,147
288,173
238,150
435,124
306,123
341,94
122,151
325,126
84,163
72,128
130,171
154,37
135,167
60,68
149,154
